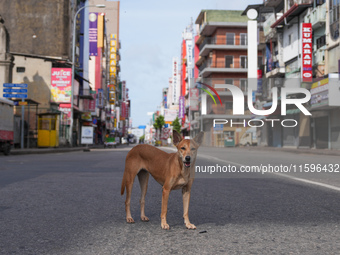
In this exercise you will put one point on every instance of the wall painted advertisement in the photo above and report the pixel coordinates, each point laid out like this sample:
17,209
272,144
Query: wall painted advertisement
61,85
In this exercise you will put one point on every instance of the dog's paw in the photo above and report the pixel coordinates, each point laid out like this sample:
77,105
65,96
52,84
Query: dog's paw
190,226
165,226
144,218
130,220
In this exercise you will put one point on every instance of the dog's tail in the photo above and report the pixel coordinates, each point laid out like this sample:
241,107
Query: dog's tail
123,185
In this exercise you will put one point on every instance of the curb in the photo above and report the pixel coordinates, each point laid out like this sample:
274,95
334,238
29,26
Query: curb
55,150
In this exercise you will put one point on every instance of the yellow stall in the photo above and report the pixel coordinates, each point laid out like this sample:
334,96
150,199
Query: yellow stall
48,130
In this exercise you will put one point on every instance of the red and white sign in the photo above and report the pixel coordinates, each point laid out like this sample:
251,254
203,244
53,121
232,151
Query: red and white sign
307,52
66,117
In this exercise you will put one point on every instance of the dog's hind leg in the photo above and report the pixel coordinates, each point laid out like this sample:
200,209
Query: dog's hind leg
129,183
143,177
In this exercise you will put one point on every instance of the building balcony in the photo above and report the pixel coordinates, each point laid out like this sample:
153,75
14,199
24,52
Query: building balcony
208,28
317,16
293,9
213,43
222,66
269,32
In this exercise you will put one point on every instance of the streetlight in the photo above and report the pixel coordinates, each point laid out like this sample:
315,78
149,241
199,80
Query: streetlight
73,57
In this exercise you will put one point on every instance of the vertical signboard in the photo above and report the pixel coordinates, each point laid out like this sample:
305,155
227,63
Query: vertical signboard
61,85
123,90
175,92
181,107
100,98
307,52
193,99
100,39
93,33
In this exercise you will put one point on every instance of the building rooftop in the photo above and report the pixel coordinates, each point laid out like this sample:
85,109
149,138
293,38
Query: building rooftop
220,16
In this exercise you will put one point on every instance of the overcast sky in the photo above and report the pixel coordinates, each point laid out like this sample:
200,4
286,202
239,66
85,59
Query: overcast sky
150,35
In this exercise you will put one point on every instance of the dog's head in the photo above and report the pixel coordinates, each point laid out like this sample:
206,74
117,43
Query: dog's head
187,148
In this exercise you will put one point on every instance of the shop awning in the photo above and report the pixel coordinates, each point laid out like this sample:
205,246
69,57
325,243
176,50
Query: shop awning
77,75
294,11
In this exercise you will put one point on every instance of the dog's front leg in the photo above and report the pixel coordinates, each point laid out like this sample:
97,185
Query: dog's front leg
165,198
186,200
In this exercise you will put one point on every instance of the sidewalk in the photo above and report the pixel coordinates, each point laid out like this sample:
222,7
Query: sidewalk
56,150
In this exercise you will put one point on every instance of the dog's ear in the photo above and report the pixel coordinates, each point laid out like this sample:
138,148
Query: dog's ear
176,138
199,138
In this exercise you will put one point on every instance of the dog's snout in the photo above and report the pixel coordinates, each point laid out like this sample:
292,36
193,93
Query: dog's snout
187,158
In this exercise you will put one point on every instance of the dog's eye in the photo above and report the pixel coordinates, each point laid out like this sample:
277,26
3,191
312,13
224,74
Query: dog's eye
193,149
183,148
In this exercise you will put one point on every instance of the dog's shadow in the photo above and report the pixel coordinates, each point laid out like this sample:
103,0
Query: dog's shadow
227,201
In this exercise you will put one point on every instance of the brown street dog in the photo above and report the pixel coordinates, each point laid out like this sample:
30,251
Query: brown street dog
171,170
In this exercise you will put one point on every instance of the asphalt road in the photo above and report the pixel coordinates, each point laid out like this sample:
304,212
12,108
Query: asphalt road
70,203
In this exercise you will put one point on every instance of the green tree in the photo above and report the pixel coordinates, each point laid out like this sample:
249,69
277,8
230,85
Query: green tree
176,125
159,124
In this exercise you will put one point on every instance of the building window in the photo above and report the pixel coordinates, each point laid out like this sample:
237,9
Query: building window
243,39
229,61
21,69
243,60
228,105
290,39
229,81
243,84
321,41
334,9
230,39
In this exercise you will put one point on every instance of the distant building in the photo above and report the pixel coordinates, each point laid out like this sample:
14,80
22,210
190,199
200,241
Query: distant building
222,59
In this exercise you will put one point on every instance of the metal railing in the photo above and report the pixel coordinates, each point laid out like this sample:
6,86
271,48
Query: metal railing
223,63
223,41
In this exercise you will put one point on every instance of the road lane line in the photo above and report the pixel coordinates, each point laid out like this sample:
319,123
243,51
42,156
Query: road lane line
279,174
309,182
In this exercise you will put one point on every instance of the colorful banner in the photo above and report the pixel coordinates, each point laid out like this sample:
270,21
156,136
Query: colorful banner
307,52
93,33
100,38
61,79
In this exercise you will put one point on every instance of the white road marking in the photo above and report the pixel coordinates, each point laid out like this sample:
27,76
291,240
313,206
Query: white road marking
279,174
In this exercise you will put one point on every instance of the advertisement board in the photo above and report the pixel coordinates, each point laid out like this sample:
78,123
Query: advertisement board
86,135
170,115
61,79
93,33
307,52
